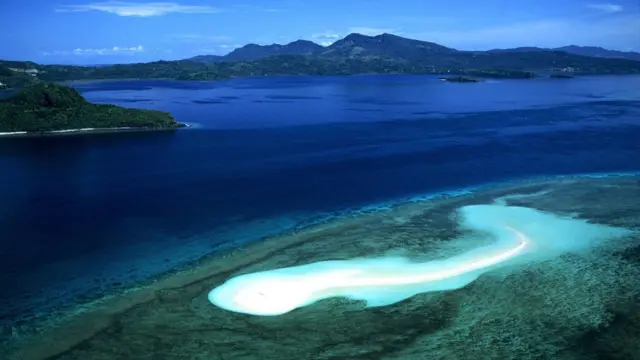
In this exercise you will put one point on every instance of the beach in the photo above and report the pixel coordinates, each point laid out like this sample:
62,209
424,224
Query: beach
79,131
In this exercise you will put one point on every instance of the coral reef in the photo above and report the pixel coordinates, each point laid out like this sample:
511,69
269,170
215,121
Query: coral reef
571,307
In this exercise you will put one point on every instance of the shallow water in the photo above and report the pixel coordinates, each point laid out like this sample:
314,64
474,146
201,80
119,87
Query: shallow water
578,306
90,214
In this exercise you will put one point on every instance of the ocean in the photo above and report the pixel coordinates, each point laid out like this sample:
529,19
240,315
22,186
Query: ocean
92,214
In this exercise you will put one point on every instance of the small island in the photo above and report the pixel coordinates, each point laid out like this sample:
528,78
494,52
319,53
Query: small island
460,79
45,108
561,76
500,73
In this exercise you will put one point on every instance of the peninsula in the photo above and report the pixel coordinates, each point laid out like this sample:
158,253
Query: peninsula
45,108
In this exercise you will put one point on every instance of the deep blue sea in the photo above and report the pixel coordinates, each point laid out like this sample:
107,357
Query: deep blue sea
82,215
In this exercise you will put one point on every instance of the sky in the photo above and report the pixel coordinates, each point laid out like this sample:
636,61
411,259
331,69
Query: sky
105,32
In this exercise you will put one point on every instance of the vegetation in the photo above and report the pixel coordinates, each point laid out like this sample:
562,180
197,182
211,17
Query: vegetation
592,51
578,306
355,54
600,52
15,79
48,107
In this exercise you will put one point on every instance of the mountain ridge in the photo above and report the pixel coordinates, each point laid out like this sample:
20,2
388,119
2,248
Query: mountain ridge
354,54
253,51
389,45
591,51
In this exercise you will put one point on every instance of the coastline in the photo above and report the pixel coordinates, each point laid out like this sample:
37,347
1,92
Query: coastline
480,78
86,131
63,331
92,81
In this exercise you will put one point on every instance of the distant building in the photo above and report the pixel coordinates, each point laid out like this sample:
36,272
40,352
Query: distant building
32,72
565,69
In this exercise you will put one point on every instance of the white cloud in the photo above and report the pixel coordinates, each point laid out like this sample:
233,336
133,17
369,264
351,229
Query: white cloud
116,50
229,46
372,31
609,8
123,8
328,37
216,50
325,38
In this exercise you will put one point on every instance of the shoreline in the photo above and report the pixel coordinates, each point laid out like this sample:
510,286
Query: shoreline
92,81
539,75
61,331
85,131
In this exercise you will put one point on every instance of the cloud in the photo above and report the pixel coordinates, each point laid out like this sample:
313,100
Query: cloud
122,8
608,8
325,38
229,46
116,50
372,31
328,37
217,50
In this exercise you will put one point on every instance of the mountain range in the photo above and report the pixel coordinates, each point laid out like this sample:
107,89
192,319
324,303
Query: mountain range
391,46
354,54
592,51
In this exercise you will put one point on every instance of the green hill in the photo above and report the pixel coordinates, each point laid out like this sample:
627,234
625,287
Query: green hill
15,79
355,54
388,46
417,56
46,107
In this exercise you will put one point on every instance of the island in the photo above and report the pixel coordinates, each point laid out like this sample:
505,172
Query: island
352,55
561,76
459,79
500,73
45,108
